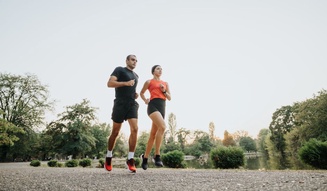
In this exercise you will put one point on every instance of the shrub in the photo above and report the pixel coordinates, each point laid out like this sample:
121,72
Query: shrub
314,153
137,161
85,162
71,163
174,159
35,163
101,163
227,157
53,163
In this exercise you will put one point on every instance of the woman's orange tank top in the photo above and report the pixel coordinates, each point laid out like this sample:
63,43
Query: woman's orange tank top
154,89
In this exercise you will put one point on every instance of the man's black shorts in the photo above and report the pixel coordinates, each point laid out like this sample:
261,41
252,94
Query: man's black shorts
124,109
157,104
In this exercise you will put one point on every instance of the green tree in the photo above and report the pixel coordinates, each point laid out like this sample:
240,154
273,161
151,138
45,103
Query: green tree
142,141
310,122
201,144
282,123
9,134
182,135
45,146
312,117
121,146
248,144
100,132
261,144
72,132
24,101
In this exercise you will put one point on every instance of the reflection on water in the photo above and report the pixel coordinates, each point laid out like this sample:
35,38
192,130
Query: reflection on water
251,163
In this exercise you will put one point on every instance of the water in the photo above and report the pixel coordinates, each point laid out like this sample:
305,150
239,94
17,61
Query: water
251,163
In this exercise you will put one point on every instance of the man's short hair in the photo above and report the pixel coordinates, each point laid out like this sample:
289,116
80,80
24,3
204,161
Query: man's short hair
129,56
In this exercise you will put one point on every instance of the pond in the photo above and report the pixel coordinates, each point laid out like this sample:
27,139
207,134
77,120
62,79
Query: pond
251,163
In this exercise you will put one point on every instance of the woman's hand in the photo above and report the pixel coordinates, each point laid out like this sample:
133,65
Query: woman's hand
162,88
147,101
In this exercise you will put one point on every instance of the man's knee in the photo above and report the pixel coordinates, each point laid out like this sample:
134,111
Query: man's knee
134,130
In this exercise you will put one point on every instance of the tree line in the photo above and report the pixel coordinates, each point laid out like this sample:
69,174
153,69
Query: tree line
77,133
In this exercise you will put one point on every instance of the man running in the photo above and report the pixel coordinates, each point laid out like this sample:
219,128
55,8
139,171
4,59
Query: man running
124,80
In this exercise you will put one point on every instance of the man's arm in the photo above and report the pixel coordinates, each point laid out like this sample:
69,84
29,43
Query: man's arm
113,83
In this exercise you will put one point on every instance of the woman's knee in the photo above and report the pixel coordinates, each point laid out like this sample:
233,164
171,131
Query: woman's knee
162,128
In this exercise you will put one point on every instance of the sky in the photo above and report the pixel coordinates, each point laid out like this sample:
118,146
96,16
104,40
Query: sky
232,63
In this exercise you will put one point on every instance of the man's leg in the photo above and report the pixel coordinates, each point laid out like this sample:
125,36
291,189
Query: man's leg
111,144
114,134
132,144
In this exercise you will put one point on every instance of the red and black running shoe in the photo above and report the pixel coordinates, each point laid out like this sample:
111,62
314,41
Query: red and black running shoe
131,165
107,164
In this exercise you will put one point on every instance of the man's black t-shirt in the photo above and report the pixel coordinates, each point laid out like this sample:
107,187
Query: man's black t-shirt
123,74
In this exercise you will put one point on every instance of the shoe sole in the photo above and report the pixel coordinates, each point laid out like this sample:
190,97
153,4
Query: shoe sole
104,166
126,165
142,161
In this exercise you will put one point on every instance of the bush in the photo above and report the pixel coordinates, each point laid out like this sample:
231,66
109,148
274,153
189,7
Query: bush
137,161
174,159
101,163
227,157
35,163
71,163
53,163
85,162
314,153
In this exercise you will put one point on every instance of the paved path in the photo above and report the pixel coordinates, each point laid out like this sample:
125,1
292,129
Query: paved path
21,176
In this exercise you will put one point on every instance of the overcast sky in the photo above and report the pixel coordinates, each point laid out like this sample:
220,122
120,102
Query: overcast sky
232,63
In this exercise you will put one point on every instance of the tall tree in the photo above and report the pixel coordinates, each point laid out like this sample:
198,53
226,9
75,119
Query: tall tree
212,132
228,139
72,132
282,123
310,122
24,101
261,144
312,117
182,135
172,125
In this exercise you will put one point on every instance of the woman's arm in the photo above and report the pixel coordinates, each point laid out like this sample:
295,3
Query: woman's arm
167,92
145,87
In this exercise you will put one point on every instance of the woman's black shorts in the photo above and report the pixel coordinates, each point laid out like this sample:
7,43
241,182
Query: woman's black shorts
157,104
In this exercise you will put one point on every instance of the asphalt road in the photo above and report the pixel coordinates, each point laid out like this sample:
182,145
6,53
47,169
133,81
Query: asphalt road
21,176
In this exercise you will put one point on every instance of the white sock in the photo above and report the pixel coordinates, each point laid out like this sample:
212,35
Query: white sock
109,153
130,155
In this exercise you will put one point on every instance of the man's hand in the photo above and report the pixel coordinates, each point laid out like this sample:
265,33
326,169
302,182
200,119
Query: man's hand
130,83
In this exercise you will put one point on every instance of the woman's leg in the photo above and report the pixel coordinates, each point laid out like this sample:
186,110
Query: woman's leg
159,122
152,137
